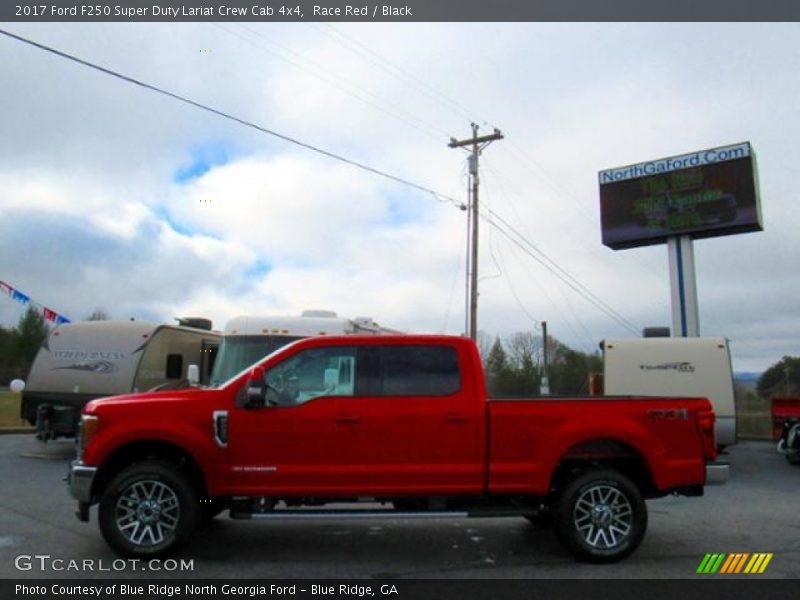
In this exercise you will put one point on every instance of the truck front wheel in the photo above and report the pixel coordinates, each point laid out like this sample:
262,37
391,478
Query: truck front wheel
148,509
601,516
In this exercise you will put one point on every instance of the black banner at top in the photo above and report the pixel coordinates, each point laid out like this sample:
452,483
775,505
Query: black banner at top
398,10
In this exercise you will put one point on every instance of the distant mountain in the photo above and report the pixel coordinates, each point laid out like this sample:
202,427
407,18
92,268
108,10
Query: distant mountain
746,376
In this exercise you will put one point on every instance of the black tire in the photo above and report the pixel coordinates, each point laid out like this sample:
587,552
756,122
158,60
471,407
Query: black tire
600,516
148,510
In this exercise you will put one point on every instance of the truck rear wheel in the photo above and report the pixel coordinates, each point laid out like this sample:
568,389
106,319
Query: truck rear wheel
601,516
148,509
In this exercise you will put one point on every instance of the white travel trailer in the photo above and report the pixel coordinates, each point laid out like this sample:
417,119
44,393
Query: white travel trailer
247,339
675,366
81,361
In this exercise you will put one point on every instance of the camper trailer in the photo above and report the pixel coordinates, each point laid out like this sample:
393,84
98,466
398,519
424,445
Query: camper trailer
248,339
675,367
81,361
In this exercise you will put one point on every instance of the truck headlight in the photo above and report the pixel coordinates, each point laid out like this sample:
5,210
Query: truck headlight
89,425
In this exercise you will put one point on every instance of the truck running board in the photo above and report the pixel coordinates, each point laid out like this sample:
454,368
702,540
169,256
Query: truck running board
346,514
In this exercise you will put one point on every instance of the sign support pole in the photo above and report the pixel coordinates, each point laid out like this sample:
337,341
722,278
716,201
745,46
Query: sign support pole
683,285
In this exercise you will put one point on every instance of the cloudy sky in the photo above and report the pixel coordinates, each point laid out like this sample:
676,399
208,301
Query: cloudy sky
115,197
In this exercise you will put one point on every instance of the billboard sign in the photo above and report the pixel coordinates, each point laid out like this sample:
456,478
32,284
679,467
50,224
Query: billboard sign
702,194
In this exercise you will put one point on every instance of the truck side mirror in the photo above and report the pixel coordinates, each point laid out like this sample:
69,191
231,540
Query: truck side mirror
254,393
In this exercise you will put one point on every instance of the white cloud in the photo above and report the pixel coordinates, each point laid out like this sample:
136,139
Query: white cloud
95,211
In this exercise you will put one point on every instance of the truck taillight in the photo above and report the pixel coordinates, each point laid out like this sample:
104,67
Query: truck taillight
706,421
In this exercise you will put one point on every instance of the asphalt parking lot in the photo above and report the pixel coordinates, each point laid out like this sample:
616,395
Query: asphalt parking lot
757,511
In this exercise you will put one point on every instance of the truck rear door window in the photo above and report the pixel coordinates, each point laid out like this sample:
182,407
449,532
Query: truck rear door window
419,370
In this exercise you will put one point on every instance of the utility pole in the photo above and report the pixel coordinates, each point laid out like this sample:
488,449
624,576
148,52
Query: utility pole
545,386
478,144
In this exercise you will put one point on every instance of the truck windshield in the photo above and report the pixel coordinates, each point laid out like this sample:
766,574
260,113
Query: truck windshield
238,352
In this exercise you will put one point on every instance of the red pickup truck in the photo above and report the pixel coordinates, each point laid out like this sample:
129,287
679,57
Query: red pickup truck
396,426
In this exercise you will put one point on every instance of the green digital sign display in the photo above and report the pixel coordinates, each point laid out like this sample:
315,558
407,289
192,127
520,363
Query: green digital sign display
703,194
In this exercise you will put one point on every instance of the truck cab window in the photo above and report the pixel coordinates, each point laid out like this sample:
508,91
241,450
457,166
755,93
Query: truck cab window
310,374
419,370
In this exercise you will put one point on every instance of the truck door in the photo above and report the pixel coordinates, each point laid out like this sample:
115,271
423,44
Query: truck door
310,438
424,427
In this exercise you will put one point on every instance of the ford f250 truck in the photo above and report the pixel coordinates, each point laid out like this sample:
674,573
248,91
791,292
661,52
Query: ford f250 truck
385,426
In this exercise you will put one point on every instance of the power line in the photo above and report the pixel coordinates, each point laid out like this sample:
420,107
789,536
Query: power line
397,71
553,267
322,73
360,49
531,250
526,238
568,278
401,74
539,172
544,291
438,196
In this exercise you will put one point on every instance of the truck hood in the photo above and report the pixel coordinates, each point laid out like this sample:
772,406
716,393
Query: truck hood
146,397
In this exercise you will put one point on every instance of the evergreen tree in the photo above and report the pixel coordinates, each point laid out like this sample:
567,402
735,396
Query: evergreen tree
497,369
514,369
782,378
8,367
31,332
99,314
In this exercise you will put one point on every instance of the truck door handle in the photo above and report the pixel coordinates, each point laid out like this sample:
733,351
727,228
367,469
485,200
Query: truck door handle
346,418
456,417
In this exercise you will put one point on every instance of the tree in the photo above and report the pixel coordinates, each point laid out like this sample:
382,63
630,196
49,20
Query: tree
515,368
497,369
782,378
524,348
484,342
569,369
8,356
8,342
496,361
31,332
98,314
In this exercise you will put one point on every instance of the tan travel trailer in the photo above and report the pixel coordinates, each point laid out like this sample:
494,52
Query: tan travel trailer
676,367
81,361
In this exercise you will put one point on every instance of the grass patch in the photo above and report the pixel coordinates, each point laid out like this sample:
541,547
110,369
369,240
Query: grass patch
9,410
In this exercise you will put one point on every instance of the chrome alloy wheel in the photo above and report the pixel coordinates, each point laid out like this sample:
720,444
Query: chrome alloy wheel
603,516
147,512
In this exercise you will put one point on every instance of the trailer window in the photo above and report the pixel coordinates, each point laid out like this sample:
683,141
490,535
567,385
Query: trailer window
419,370
174,366
238,352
